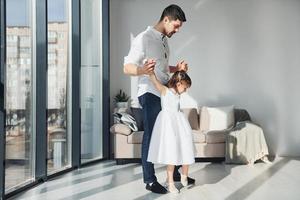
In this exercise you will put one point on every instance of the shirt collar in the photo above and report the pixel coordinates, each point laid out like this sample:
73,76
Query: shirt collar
157,34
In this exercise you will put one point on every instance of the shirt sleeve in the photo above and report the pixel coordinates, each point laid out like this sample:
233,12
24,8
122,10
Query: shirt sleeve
136,53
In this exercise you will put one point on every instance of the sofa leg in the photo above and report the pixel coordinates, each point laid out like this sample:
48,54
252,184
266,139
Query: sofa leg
120,161
123,161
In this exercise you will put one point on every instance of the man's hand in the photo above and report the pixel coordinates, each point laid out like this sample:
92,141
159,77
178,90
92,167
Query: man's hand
182,65
134,70
148,67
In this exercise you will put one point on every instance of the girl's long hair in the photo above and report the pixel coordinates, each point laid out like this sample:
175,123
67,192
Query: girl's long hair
178,77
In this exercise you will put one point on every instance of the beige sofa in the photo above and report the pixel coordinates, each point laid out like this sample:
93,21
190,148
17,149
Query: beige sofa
208,144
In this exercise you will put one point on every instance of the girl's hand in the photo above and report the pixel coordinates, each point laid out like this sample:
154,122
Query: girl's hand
148,67
151,73
182,65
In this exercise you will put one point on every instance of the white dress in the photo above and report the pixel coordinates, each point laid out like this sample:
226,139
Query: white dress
171,141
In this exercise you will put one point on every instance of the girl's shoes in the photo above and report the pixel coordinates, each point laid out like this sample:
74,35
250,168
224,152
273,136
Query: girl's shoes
171,188
184,180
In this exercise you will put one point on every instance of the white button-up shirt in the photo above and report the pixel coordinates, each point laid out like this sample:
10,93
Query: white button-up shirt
150,44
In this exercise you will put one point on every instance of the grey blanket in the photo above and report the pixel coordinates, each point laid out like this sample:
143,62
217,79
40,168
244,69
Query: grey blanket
245,144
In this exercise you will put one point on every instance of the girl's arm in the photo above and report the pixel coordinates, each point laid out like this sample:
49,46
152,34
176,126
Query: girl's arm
160,87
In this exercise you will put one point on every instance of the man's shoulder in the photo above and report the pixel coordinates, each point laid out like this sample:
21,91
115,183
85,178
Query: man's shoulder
144,35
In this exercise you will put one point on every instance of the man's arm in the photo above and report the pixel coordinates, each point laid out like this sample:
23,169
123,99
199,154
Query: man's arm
173,69
134,70
182,65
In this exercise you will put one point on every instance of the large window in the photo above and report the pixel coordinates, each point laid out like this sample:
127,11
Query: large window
19,98
59,133
53,90
91,80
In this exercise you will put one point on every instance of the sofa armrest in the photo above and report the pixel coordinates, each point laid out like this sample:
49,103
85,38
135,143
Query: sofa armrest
120,129
217,136
122,110
224,131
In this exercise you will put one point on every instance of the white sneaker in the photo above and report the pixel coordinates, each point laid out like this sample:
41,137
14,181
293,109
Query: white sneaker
184,180
265,159
171,188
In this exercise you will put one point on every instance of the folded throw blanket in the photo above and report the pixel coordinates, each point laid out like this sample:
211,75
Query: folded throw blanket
246,144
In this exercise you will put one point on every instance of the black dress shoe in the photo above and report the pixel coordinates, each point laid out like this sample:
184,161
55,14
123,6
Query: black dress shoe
190,180
156,188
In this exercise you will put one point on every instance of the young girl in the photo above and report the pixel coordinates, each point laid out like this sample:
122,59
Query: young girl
171,141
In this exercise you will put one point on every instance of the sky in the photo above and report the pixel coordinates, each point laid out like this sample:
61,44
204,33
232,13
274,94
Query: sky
18,12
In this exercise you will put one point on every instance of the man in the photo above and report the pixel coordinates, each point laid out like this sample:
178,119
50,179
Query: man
150,52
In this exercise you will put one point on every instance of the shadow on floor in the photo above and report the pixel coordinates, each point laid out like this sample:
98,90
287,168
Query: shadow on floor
120,177
210,174
259,180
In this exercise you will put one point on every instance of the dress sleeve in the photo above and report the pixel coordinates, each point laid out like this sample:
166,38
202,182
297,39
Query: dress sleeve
167,90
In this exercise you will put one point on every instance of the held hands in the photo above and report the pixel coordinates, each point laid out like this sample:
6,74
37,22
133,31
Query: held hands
182,65
148,67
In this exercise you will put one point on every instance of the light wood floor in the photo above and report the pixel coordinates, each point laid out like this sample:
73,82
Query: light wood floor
107,181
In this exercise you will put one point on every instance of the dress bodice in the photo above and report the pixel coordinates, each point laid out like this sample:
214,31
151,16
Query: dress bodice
170,101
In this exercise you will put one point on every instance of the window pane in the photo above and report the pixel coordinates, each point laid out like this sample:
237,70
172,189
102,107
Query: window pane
18,97
58,68
91,79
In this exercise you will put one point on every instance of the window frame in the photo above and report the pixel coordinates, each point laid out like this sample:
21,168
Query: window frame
40,62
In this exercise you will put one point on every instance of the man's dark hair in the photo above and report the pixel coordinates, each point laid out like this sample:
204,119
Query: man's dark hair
174,12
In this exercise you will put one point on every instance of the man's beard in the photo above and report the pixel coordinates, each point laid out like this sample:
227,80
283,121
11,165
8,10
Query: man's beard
170,35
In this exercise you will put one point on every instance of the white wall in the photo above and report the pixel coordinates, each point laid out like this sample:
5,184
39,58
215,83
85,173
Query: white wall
245,53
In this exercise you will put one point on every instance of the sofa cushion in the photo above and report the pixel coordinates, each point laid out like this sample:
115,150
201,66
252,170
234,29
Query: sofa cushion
241,115
215,137
198,137
204,119
121,129
216,118
135,138
192,116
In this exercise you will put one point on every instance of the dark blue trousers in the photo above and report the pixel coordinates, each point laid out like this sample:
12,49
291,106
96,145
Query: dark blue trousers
151,107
